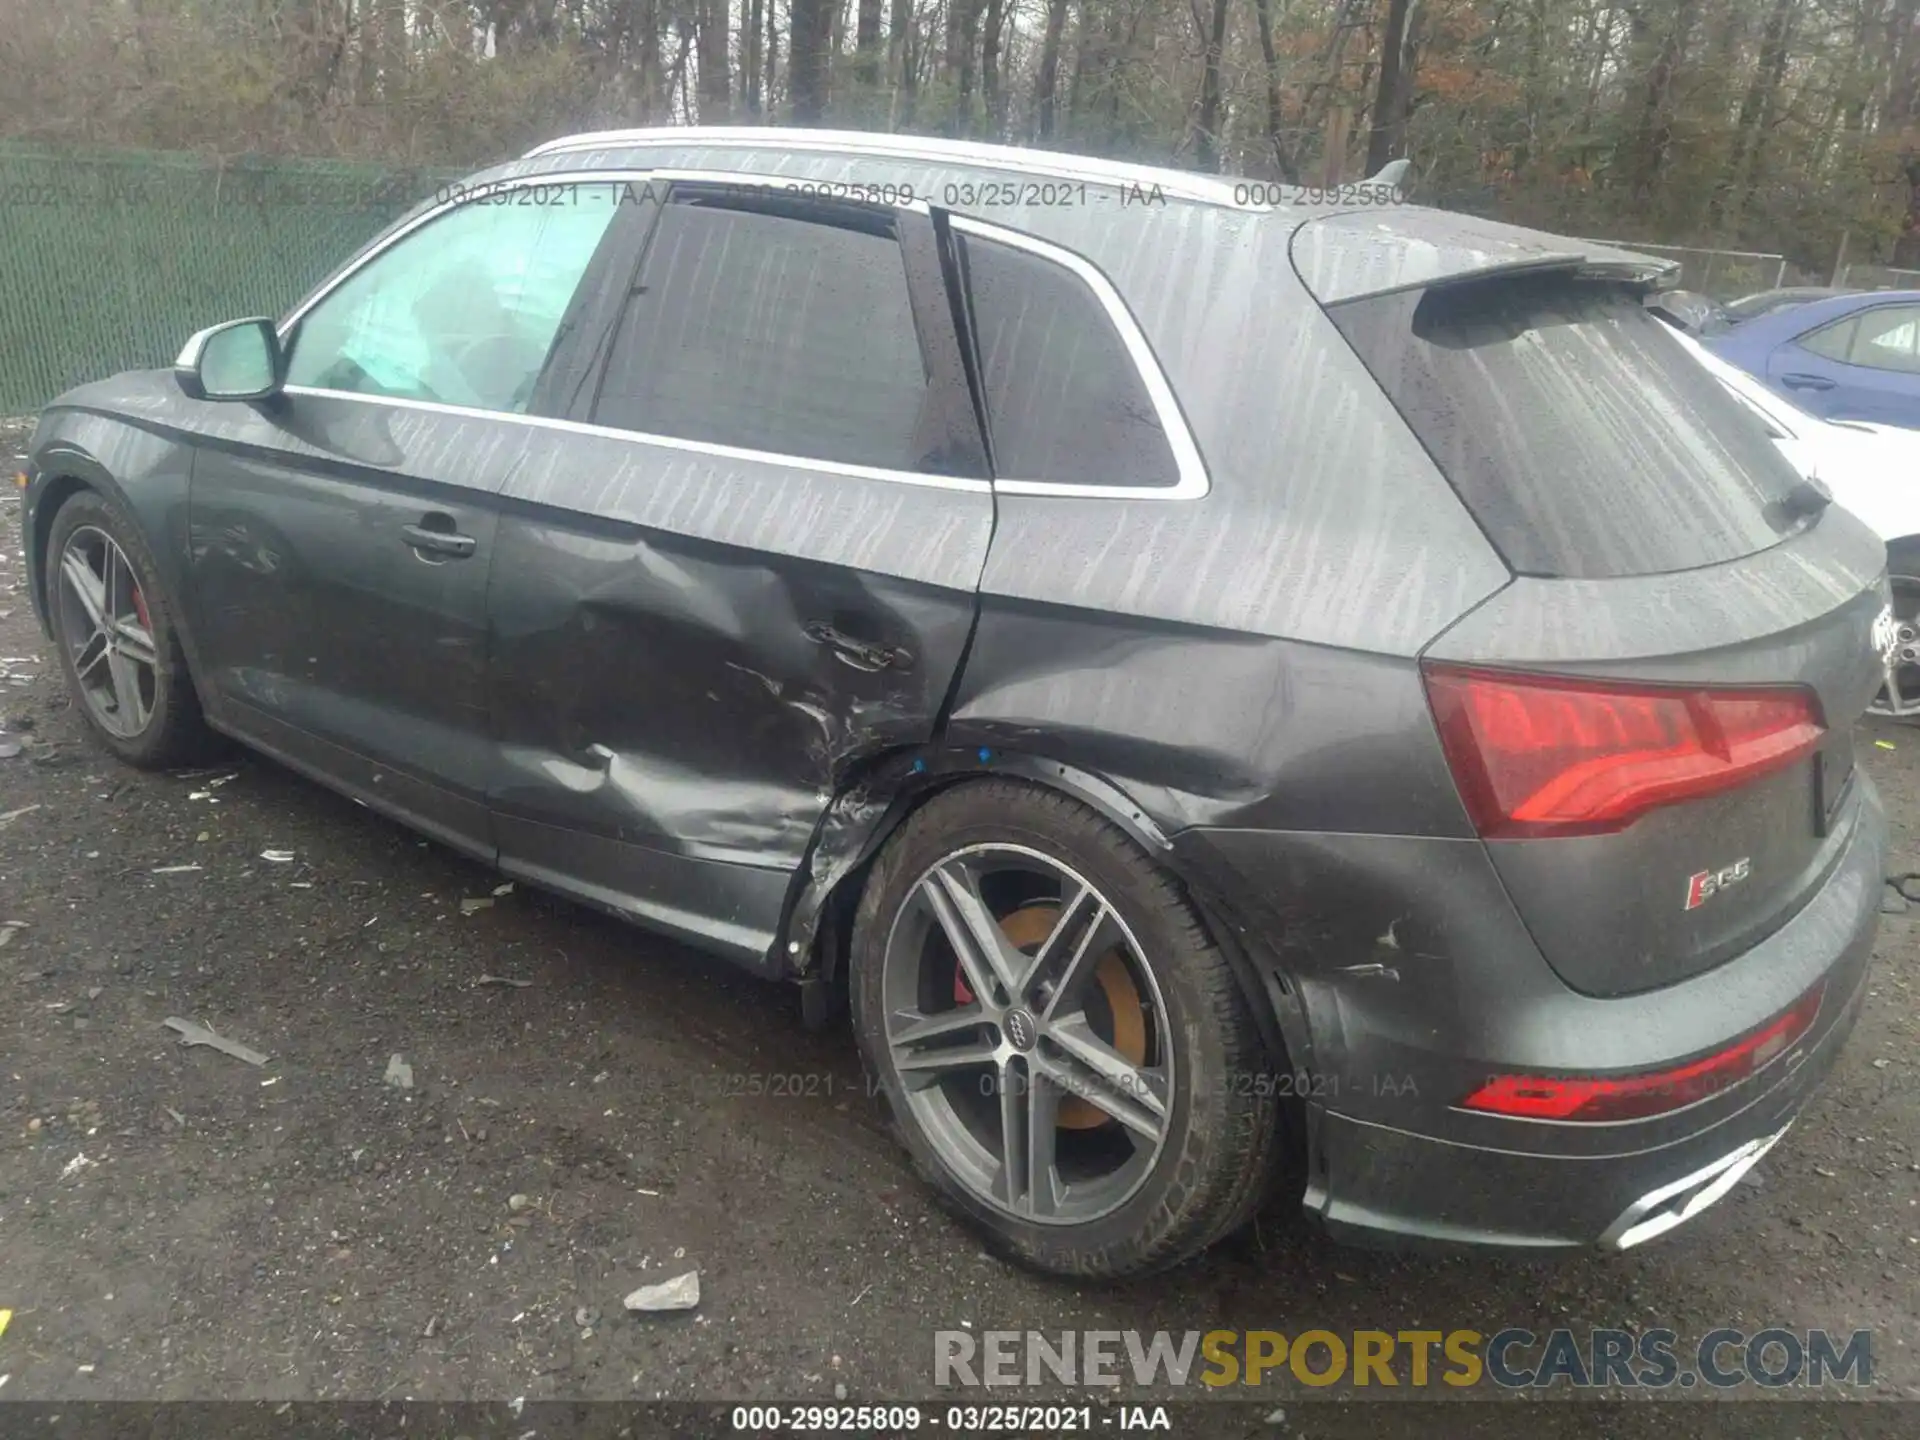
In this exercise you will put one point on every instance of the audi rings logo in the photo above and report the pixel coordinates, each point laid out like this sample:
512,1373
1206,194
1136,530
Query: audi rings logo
1021,1029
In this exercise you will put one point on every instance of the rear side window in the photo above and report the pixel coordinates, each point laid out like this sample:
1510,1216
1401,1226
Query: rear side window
1065,400
768,329
1887,338
1582,437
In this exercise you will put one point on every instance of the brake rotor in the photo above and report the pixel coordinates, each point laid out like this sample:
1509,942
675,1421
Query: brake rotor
1126,1016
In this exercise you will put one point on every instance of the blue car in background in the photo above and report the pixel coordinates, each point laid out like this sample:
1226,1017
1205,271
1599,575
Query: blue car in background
1849,357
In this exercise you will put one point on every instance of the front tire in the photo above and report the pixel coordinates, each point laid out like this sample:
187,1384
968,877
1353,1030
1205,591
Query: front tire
114,629
1065,1053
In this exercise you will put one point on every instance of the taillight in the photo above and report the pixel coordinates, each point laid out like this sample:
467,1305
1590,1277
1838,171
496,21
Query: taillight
1554,756
1633,1097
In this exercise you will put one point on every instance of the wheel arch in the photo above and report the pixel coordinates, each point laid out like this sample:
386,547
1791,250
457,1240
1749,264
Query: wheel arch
871,805
65,469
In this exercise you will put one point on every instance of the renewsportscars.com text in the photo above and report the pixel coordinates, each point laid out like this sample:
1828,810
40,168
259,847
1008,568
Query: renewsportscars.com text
1511,1358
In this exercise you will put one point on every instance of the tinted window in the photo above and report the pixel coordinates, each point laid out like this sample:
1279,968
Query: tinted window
1577,430
1834,341
1065,401
463,310
1889,339
773,330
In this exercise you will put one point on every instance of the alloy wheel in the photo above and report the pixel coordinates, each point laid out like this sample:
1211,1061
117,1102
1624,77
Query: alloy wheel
1029,1034
104,623
1901,695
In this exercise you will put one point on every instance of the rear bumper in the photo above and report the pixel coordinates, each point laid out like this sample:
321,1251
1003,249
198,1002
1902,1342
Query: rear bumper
1386,1186
1390,1021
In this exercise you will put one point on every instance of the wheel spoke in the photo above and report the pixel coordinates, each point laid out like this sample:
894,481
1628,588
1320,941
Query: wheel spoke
129,703
917,1027
87,587
1134,1095
89,656
920,1068
993,966
136,643
1091,940
1043,1187
1011,1078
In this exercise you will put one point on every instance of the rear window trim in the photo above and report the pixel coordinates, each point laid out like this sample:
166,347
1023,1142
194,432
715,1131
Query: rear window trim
1194,482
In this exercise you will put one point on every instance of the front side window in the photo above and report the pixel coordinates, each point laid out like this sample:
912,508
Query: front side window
463,310
1066,403
774,327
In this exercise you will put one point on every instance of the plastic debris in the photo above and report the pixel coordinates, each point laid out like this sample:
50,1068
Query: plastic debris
8,928
7,817
76,1165
399,1073
9,748
6,1318
506,889
680,1293
504,980
1884,744
278,857
192,1034
467,907
175,869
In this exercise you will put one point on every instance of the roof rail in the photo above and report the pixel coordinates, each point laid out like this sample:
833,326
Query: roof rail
1179,184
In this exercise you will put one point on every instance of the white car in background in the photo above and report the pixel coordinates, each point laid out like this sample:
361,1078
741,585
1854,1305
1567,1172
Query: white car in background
1872,470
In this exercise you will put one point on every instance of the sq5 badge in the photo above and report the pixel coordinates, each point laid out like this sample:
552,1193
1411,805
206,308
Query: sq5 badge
1709,883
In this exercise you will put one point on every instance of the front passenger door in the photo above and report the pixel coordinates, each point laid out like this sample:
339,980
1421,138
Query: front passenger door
752,574
342,534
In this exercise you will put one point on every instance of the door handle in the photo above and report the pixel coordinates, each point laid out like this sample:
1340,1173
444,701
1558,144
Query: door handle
860,654
1806,382
426,542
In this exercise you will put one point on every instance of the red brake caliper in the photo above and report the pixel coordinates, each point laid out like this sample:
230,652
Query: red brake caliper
140,609
961,994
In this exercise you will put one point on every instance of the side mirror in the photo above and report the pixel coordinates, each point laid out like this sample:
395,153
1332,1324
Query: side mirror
239,360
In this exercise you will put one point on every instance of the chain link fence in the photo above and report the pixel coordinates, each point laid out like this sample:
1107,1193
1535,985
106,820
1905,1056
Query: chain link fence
109,260
1877,277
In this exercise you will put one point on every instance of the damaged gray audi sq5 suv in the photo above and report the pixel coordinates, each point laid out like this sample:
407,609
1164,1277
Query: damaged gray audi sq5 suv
1242,699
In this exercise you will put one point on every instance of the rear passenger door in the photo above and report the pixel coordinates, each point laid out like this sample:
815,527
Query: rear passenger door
749,567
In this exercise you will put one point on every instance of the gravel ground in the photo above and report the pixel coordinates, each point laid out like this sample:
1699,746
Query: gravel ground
175,1223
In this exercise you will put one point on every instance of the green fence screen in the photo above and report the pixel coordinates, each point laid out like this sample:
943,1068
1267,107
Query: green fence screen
110,260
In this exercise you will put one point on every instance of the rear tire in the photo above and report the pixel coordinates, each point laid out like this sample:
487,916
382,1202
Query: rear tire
1154,1147
113,628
